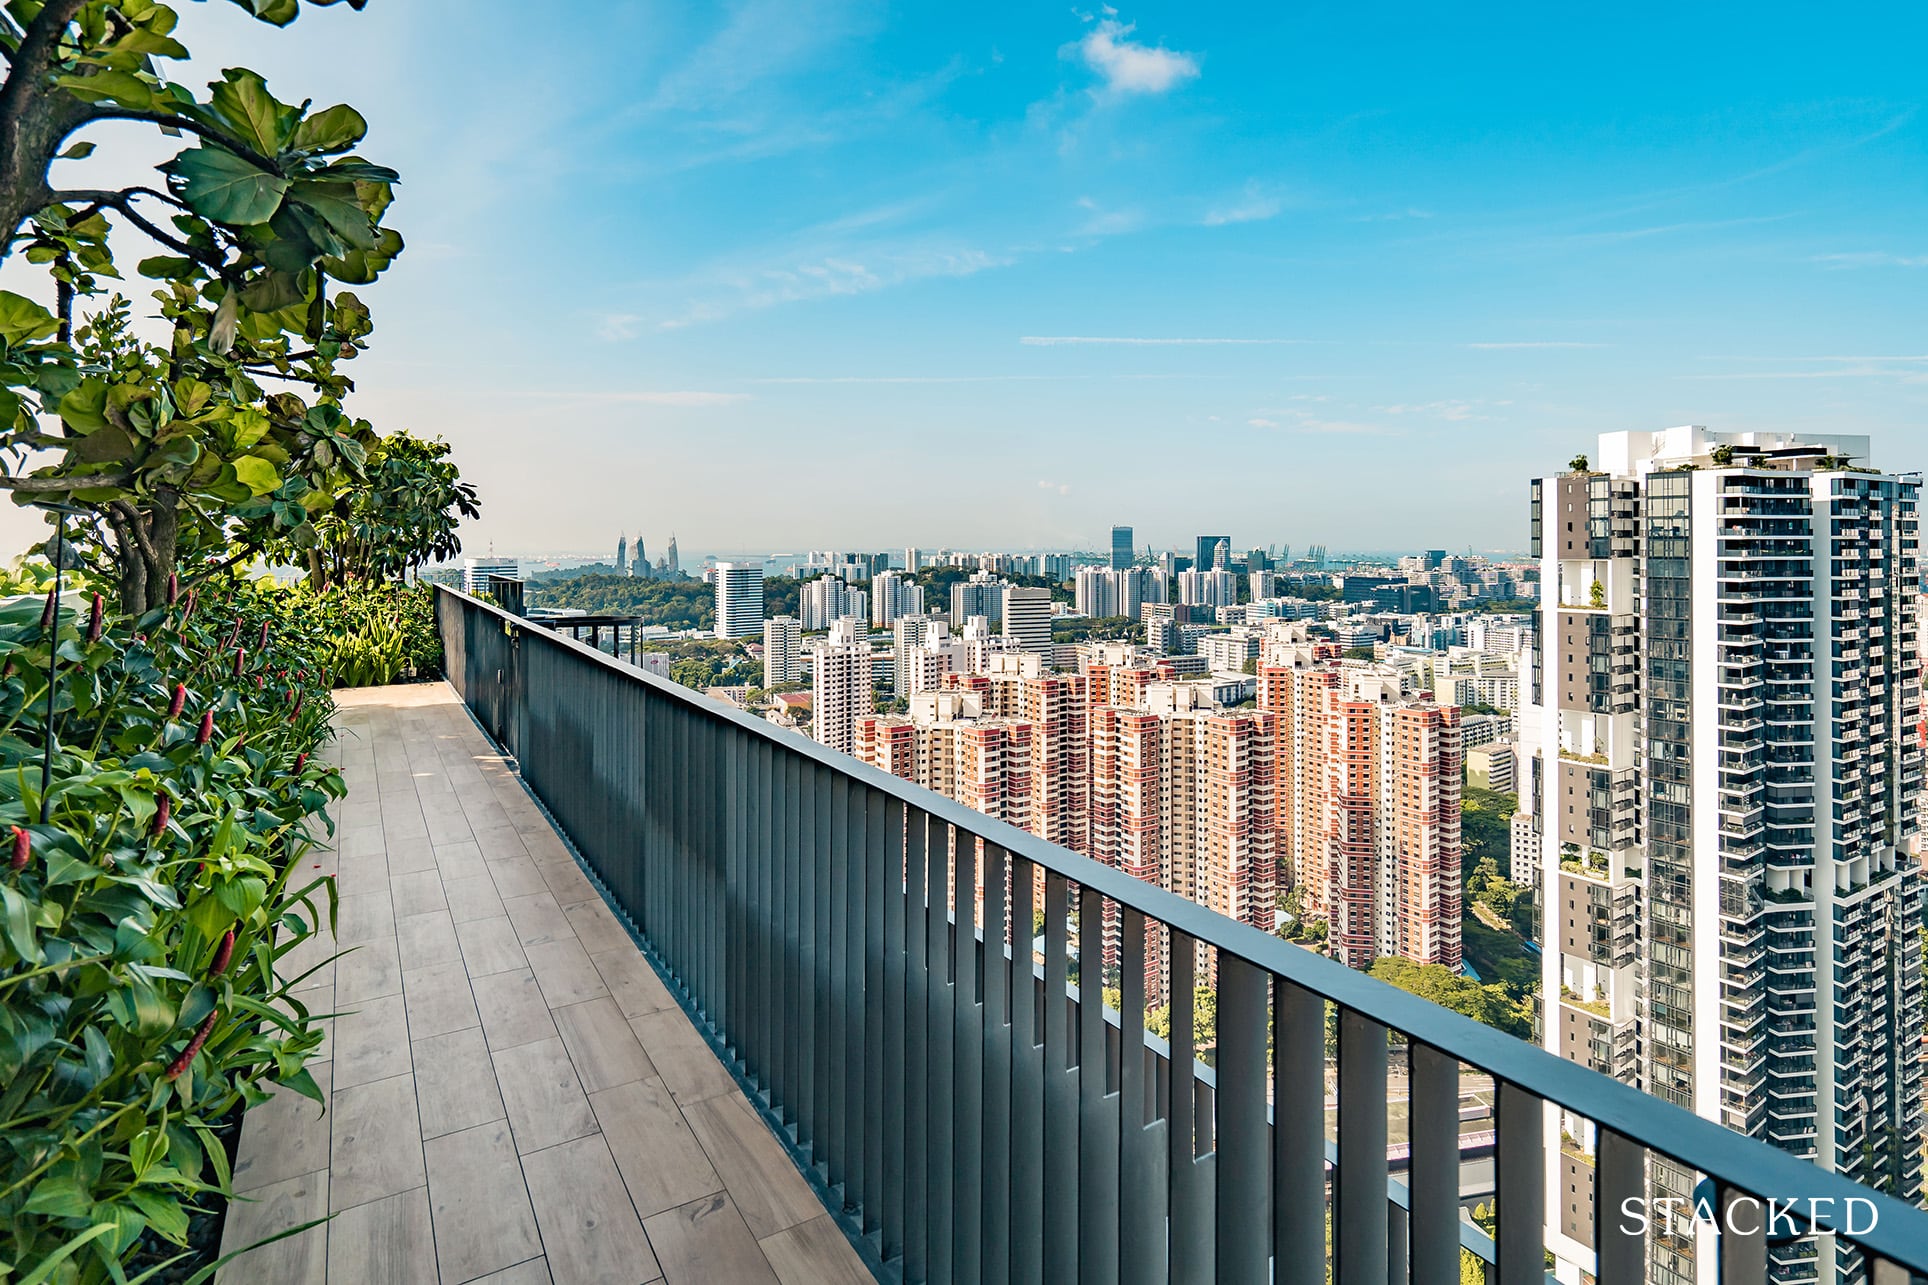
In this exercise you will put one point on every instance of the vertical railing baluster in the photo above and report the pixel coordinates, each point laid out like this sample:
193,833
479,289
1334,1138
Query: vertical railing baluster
1359,1207
896,1069
1098,1105
1743,1237
790,978
1142,1166
1192,1220
1027,1083
1060,1091
804,1092
1619,1177
823,1081
917,1029
1244,1163
942,1021
1433,1121
1298,1135
835,1031
1519,1182
872,1037
967,1076
995,1215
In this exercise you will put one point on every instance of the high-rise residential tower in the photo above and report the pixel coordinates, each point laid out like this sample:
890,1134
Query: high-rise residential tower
841,690
622,555
1723,790
1121,550
739,599
1027,617
782,650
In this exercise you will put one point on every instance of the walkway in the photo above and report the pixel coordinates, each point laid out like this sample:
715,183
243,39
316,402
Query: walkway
513,1095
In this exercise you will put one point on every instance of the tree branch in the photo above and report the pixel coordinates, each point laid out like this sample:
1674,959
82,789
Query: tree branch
76,482
37,50
123,201
192,126
132,516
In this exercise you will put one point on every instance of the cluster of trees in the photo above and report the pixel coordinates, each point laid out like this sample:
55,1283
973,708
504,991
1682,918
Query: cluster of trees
709,662
676,604
227,440
1483,1002
1106,628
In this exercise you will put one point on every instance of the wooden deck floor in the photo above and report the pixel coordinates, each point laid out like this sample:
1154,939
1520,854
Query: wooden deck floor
513,1096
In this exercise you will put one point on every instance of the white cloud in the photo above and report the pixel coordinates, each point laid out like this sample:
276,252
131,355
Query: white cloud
1263,423
1054,341
1254,207
1873,259
616,326
644,396
1450,410
1129,67
1062,488
1532,343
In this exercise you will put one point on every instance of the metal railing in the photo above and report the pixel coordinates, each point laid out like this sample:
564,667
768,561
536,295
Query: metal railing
841,936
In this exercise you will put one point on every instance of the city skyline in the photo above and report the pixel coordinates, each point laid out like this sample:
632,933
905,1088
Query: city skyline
1359,299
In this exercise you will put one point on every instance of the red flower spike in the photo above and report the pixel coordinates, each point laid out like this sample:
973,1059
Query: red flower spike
260,681
206,733
96,619
163,809
301,761
181,1063
22,848
47,613
240,660
223,955
187,612
263,644
175,705
173,588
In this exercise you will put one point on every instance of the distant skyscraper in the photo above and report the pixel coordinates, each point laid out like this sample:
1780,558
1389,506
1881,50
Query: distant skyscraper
1027,618
782,650
1206,551
913,560
476,572
675,562
1222,555
841,690
981,595
1121,550
739,599
825,598
622,555
892,595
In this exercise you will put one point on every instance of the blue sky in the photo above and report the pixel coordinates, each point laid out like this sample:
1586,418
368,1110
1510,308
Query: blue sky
813,274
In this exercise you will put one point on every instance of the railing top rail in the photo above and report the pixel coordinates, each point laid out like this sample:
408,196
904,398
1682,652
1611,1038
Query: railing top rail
1701,1145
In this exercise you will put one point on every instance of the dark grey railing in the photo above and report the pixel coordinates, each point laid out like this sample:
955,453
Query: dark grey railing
822,923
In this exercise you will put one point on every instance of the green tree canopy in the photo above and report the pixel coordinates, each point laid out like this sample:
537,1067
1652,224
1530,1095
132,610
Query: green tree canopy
1443,986
160,444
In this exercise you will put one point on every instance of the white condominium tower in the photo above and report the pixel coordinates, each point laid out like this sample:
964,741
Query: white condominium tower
1027,618
782,650
739,599
841,690
1725,766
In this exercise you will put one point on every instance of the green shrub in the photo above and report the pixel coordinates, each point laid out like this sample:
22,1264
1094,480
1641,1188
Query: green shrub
141,998
374,633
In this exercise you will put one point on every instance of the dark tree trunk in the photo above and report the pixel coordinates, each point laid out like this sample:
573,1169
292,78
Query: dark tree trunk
34,118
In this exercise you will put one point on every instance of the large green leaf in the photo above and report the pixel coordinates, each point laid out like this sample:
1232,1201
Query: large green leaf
22,320
256,474
333,129
220,186
243,101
